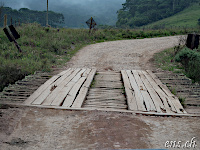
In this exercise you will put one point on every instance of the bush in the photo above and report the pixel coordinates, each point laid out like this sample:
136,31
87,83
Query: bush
190,59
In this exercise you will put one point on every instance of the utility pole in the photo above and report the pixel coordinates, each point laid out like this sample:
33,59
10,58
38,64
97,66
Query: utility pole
47,11
5,20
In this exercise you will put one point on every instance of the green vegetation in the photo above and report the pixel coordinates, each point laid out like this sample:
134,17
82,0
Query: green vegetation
190,59
45,48
183,60
25,15
189,17
182,101
136,13
173,90
165,60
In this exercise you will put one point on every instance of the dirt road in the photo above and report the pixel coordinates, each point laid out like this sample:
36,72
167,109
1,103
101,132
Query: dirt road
119,55
32,128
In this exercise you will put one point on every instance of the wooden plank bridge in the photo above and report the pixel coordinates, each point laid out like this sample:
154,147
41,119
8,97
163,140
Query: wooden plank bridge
129,90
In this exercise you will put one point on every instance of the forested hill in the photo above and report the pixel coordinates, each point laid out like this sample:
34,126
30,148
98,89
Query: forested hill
25,15
76,12
137,13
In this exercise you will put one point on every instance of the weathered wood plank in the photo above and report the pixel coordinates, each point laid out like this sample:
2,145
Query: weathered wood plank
132,104
178,105
40,90
172,98
173,103
108,99
105,102
84,90
155,98
162,86
61,95
55,92
63,72
137,93
98,90
142,88
105,96
73,92
145,92
107,106
63,77
161,94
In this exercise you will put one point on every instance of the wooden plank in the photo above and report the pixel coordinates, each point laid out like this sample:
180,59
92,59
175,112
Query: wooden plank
155,98
105,102
63,77
179,106
40,90
63,72
104,109
48,92
87,72
171,101
161,94
54,93
61,95
84,90
147,99
145,91
109,99
108,93
104,90
106,97
104,106
137,93
132,104
162,86
73,92
172,98
115,79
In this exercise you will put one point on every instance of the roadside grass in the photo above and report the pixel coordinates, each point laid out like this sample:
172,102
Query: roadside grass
46,48
165,60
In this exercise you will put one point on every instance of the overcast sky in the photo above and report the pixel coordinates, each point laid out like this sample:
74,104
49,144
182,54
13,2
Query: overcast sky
104,10
41,4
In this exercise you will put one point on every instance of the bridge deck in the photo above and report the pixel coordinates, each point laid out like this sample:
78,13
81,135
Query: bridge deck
144,92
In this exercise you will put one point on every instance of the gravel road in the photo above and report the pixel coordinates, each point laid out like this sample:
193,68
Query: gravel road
33,128
123,54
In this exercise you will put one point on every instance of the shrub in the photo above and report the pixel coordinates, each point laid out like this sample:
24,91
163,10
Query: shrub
190,59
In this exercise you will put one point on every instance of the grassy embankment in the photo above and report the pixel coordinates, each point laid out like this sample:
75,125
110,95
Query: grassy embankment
187,18
181,60
44,48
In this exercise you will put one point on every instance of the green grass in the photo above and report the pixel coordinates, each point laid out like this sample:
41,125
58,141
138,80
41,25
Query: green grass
182,101
165,60
186,18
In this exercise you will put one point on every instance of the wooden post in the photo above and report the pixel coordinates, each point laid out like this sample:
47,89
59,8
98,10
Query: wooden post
192,41
5,20
47,12
90,25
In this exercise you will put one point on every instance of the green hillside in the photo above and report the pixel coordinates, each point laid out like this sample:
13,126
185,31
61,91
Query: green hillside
186,18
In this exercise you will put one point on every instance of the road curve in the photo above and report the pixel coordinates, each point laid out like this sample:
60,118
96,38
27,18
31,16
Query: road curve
122,54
